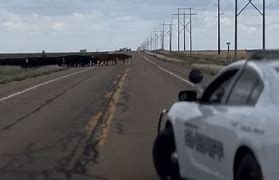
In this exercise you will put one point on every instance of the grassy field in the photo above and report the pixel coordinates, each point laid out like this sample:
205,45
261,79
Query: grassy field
223,55
13,73
205,61
211,56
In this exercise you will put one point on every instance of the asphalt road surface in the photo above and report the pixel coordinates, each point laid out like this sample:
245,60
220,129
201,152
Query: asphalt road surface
87,123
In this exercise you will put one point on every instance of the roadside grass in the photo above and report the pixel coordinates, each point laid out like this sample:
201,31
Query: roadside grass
213,55
15,73
206,66
206,56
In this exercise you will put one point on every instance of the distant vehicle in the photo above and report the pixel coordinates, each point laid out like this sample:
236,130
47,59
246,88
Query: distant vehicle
125,49
83,50
230,133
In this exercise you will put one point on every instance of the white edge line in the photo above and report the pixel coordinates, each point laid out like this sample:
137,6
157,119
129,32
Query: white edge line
171,73
175,75
42,84
148,60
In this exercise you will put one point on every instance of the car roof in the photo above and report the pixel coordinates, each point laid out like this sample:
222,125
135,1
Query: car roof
263,62
268,71
260,66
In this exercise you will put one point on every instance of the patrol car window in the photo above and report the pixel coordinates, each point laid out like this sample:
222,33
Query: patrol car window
247,90
253,99
215,92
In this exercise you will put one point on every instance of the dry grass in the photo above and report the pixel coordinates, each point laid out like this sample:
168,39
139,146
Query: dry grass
214,54
207,67
210,56
14,73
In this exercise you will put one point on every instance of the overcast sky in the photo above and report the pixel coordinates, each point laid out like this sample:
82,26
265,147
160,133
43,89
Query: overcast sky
70,25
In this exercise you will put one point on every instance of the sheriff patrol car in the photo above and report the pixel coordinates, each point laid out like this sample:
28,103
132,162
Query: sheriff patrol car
230,133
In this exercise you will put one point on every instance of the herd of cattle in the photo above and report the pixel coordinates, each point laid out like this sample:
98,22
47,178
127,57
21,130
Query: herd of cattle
68,61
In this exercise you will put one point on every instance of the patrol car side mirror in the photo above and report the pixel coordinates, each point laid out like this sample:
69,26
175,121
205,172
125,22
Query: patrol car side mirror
195,76
189,96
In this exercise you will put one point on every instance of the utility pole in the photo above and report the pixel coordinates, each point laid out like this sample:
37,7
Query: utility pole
167,32
264,25
178,40
184,29
163,36
150,41
170,33
185,26
236,16
156,37
155,40
191,31
219,29
191,35
235,30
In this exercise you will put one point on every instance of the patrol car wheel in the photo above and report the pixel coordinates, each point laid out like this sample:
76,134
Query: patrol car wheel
249,169
163,150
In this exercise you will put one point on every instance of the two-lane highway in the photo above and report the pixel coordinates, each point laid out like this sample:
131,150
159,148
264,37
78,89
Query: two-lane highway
96,123
148,89
45,127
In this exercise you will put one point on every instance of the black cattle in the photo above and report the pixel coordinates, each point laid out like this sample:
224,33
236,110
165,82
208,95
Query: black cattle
23,62
94,61
123,57
104,59
69,61
79,61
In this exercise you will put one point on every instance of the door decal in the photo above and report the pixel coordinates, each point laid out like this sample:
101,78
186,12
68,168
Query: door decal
204,144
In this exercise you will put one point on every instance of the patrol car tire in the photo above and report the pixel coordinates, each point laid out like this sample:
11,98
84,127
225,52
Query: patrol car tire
163,148
249,169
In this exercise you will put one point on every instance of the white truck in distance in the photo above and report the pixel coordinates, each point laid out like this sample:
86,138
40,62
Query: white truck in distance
230,133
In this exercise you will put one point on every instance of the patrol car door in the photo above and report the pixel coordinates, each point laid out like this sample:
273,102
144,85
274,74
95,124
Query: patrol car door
218,138
204,150
223,124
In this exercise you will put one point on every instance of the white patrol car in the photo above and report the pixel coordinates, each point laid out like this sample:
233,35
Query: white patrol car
230,133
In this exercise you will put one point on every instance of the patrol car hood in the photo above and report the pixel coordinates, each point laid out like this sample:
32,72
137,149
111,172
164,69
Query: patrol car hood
181,109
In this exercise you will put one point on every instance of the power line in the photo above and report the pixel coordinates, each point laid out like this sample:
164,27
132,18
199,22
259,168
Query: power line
206,7
205,13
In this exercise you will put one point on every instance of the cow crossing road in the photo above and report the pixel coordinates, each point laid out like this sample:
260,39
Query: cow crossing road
86,123
73,60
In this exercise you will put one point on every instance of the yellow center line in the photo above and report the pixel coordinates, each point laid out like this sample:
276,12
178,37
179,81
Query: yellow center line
93,122
111,111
